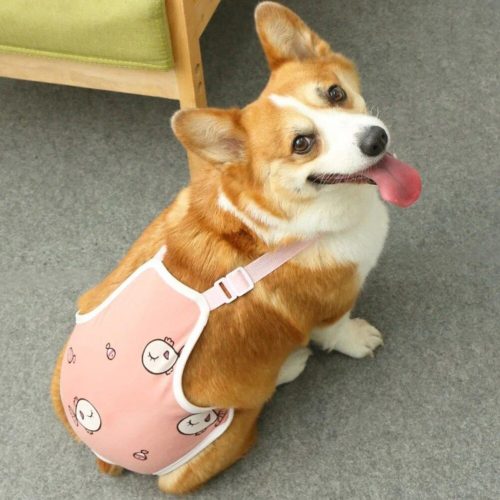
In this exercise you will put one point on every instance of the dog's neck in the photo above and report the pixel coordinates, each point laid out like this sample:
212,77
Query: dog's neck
343,218
329,215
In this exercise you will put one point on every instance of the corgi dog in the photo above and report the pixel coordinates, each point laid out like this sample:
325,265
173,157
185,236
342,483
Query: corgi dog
305,160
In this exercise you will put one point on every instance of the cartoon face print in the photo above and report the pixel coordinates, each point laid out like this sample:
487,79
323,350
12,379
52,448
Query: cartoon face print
110,352
199,422
141,455
70,355
159,356
86,415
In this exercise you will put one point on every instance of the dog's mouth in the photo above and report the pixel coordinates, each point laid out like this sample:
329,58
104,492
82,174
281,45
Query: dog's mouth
397,182
339,179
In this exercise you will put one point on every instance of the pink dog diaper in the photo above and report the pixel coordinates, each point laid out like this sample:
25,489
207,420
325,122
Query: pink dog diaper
121,376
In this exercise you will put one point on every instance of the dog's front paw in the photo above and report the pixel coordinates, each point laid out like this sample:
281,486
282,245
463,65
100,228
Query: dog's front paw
359,339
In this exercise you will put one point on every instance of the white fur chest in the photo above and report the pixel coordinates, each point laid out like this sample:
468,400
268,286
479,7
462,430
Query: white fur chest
354,222
361,244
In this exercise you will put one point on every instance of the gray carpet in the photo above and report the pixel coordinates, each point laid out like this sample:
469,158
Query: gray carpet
82,172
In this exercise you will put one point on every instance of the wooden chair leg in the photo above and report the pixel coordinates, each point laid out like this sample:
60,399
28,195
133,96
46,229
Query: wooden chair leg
187,57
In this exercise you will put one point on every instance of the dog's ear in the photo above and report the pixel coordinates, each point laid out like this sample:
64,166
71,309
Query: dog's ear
285,37
213,134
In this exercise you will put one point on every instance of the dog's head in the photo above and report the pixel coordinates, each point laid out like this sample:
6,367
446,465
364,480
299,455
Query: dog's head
304,156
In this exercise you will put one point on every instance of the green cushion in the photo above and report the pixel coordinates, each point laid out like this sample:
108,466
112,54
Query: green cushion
131,33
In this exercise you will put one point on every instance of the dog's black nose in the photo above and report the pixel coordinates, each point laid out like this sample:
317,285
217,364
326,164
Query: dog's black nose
373,141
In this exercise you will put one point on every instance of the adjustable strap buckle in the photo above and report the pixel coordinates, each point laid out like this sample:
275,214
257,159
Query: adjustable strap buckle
235,284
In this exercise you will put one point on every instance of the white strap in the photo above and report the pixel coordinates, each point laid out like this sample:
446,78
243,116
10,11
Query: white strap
160,254
242,279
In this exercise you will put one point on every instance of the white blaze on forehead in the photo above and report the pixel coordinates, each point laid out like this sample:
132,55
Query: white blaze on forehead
340,133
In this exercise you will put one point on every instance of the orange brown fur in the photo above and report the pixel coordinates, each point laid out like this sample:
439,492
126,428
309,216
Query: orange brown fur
237,359
201,249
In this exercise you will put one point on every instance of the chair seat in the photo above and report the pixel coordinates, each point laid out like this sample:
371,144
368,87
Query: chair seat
128,33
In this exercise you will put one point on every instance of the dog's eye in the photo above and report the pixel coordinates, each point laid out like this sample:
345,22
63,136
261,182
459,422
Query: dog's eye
302,144
336,94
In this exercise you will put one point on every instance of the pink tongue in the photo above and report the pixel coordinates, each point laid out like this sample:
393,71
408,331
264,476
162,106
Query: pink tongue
397,182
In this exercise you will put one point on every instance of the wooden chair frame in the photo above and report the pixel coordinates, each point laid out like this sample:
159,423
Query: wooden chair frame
187,20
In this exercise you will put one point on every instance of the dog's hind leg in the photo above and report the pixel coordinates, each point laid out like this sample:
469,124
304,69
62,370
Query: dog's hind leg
104,467
109,469
294,365
219,455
